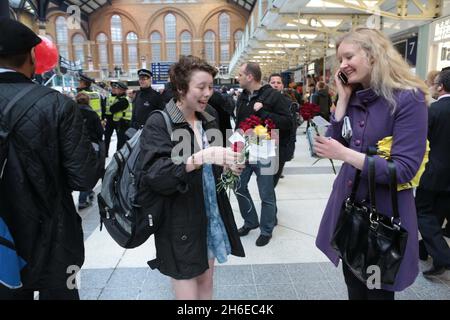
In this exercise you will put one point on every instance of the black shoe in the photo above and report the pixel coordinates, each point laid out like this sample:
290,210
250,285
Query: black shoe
435,271
423,253
262,240
282,176
243,231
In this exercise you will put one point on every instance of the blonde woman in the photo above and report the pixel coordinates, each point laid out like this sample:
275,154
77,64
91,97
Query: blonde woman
382,98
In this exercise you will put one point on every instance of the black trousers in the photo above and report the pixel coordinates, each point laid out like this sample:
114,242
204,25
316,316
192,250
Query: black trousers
121,128
62,293
432,208
109,129
357,290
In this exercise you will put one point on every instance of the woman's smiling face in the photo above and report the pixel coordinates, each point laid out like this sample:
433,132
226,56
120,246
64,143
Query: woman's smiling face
354,62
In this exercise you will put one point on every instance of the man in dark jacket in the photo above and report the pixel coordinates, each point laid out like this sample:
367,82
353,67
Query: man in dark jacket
95,131
146,101
275,107
322,98
49,155
433,193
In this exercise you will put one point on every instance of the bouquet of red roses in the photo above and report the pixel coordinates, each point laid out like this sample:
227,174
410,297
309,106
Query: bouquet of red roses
252,132
309,111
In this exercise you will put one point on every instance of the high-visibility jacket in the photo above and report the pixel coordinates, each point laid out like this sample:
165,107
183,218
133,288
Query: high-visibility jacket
125,114
94,101
109,102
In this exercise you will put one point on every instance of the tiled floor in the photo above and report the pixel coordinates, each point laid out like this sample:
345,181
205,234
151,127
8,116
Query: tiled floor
289,267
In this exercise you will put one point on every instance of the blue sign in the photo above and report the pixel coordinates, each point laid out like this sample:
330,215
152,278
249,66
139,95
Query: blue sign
160,72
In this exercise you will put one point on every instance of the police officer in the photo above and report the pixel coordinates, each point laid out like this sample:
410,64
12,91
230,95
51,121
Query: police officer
146,100
120,108
49,155
95,101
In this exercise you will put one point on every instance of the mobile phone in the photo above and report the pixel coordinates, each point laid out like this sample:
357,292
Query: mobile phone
343,77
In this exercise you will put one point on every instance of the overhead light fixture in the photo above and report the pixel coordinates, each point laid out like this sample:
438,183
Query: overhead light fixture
322,4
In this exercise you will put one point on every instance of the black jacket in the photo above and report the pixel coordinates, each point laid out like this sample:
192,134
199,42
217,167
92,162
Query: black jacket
49,156
181,249
146,101
275,107
322,98
223,117
93,123
437,171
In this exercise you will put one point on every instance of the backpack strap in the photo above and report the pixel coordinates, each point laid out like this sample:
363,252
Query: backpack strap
26,98
167,120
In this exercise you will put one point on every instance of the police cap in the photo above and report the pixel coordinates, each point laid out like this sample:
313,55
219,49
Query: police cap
119,85
16,38
145,73
85,78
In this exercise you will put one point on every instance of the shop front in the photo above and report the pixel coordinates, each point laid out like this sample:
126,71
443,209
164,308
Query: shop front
439,54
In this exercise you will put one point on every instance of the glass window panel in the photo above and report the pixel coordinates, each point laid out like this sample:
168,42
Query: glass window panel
116,28
224,51
170,26
155,40
209,41
171,51
132,37
186,43
117,54
62,37
224,27
102,40
132,54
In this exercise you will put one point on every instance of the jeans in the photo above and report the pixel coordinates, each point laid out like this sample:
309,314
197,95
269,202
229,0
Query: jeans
266,193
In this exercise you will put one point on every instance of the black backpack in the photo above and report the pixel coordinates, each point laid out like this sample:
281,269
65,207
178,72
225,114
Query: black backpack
10,116
128,222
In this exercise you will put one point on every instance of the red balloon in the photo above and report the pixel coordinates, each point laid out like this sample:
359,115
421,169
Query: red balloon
46,56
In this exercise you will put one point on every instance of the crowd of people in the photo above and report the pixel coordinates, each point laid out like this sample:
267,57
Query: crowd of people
59,145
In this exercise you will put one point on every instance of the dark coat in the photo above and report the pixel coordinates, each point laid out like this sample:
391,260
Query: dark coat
218,102
93,123
181,249
146,101
49,156
372,120
437,171
275,106
322,98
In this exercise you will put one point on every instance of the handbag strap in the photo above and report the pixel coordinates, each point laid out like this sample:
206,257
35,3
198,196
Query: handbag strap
392,185
355,185
393,188
372,198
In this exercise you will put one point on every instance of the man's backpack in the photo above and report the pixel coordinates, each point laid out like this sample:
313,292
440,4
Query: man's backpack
290,146
11,262
128,223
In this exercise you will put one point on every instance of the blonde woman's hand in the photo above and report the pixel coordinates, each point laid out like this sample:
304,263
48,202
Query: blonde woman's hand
329,148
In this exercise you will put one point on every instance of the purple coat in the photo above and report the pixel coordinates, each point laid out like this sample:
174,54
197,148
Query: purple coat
372,120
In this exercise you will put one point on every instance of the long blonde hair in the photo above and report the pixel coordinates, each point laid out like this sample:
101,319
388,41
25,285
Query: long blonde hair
389,70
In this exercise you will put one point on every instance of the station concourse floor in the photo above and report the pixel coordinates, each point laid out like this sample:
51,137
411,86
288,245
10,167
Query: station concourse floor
290,267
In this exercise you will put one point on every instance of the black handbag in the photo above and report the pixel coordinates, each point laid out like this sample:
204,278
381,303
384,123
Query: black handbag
364,237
